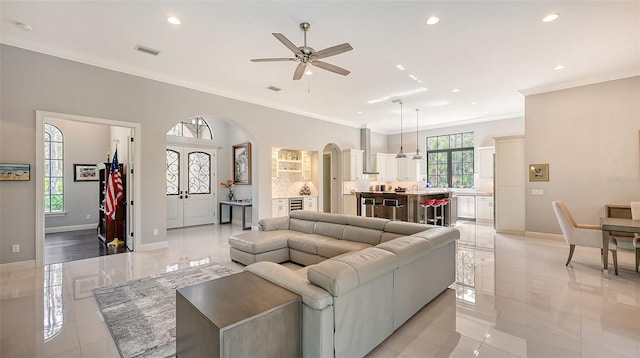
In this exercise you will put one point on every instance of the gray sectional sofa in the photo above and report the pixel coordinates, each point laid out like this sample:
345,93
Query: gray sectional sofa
363,279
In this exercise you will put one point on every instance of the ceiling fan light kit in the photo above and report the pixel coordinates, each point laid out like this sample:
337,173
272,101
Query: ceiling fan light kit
305,55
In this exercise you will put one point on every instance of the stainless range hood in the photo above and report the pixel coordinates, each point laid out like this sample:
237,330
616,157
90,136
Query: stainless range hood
365,145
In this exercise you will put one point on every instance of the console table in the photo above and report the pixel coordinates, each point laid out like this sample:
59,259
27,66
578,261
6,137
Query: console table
240,315
241,203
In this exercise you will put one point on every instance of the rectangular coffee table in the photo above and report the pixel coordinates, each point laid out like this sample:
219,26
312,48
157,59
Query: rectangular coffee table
240,315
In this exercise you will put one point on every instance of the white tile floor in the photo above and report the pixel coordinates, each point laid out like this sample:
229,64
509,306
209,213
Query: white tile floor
517,301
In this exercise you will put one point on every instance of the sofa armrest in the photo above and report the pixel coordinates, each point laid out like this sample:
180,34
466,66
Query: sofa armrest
270,224
312,296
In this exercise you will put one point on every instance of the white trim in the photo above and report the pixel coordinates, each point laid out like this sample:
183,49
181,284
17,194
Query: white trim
39,176
579,83
543,235
153,246
51,230
17,266
510,232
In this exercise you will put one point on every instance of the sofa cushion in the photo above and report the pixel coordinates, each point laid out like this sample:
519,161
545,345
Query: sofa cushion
361,234
408,248
332,218
405,228
331,248
269,224
293,281
439,236
302,225
307,242
386,236
329,229
256,242
343,273
369,223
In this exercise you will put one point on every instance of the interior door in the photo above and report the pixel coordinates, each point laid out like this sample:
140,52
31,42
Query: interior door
191,197
130,191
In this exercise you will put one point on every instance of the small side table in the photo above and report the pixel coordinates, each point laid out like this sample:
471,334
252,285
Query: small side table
240,315
241,203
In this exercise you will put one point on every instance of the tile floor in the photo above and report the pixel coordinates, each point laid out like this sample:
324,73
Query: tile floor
518,300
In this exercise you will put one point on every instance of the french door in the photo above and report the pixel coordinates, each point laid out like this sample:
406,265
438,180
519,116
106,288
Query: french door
191,195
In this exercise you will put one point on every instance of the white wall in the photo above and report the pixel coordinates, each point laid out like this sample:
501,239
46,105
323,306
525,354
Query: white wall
589,137
33,81
84,143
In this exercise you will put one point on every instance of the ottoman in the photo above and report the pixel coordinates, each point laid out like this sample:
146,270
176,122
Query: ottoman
255,246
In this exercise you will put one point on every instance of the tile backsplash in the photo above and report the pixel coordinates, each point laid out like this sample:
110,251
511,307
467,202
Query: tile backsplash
287,186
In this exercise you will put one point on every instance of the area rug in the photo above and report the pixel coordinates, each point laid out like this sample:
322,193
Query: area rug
141,314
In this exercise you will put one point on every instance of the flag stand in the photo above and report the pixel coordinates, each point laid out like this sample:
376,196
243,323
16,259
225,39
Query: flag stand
116,241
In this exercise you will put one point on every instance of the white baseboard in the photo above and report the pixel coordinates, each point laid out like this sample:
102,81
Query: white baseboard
51,230
153,246
17,266
510,232
543,235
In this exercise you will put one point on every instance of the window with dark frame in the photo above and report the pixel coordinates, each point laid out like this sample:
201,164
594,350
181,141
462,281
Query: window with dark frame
450,160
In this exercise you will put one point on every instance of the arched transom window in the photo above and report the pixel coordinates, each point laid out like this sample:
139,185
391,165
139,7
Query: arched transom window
196,127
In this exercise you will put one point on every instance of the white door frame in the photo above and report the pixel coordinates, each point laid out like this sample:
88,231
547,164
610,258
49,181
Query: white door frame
39,174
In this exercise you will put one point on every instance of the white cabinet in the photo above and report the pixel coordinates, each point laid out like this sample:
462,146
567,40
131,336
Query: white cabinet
353,164
306,166
385,165
310,203
485,162
484,208
466,207
279,207
408,169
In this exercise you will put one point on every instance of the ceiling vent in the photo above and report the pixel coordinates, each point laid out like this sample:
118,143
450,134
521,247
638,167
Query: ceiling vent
274,88
147,50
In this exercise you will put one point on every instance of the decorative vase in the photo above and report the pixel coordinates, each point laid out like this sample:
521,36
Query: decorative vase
230,195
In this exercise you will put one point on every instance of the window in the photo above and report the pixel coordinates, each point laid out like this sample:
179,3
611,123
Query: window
450,160
53,169
197,127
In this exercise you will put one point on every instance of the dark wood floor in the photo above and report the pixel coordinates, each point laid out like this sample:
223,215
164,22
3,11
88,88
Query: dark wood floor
76,245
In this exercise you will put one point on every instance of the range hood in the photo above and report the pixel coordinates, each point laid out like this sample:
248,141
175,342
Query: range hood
365,145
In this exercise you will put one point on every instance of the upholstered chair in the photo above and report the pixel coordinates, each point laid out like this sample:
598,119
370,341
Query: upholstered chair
635,215
582,235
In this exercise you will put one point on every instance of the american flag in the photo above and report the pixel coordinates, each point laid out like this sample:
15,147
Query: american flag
114,188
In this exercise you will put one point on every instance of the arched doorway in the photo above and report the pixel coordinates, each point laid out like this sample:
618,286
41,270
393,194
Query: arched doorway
332,178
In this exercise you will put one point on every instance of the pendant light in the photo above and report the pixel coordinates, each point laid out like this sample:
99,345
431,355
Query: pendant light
417,156
401,154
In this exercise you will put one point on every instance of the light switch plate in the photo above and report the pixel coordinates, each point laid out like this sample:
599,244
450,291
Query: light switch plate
537,192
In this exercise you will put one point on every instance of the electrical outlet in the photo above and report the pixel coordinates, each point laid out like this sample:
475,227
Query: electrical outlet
88,217
155,232
15,248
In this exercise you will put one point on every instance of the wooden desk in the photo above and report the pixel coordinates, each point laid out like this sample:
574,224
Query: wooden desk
615,225
240,315
243,204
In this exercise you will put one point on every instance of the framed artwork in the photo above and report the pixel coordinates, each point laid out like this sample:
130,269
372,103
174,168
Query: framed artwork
85,172
15,172
242,163
539,172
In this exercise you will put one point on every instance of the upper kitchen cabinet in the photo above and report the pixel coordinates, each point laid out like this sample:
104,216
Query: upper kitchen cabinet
353,164
386,166
485,162
409,169
298,165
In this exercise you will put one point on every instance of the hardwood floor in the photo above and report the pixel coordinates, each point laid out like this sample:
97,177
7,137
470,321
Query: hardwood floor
76,245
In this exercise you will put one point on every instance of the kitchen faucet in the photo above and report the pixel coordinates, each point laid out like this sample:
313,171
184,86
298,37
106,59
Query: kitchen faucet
414,188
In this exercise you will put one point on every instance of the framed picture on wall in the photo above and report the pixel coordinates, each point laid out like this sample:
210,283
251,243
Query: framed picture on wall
242,163
85,172
15,172
539,172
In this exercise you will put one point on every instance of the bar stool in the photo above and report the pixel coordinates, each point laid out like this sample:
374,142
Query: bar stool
442,205
394,204
425,205
370,202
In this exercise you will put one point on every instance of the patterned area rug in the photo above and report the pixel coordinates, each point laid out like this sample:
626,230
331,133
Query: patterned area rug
141,314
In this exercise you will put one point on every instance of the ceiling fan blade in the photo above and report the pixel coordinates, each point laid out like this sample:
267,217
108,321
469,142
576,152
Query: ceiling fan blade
334,50
272,59
290,45
330,67
299,71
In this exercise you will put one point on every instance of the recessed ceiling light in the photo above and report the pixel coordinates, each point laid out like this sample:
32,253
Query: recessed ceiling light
550,17
559,67
23,26
433,20
473,103
455,90
400,67
173,20
359,112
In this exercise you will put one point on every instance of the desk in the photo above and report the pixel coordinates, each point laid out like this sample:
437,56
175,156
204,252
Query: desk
615,224
230,204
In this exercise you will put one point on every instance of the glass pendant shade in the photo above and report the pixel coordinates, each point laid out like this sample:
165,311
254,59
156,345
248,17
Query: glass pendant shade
418,155
401,154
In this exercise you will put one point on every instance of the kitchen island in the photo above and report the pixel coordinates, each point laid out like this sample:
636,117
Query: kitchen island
370,204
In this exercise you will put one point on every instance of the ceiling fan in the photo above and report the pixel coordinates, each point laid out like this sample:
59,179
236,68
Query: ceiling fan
307,55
